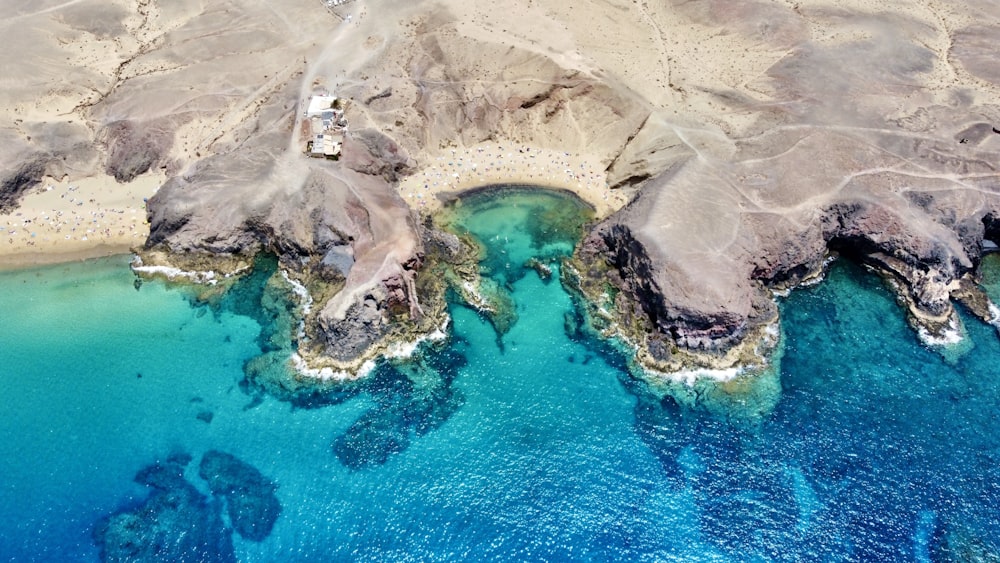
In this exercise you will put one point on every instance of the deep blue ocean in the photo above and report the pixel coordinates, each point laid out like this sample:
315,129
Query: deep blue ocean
128,426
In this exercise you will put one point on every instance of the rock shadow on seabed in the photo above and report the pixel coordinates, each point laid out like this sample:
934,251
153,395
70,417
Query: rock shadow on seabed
179,523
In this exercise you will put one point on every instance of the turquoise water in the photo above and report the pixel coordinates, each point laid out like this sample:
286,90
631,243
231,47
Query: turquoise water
526,445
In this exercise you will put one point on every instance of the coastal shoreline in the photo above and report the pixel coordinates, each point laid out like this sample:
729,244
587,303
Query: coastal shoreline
30,260
72,219
461,170
715,179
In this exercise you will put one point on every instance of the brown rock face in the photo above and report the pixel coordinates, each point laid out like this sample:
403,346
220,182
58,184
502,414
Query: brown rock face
339,223
133,149
703,243
832,162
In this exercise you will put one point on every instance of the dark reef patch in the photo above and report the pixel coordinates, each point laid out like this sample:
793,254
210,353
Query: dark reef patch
176,522
410,400
251,503
179,523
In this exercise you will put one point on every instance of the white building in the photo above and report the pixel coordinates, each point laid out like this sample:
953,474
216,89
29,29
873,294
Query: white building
327,125
320,104
326,145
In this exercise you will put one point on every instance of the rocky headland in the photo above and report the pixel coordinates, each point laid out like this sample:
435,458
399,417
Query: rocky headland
728,147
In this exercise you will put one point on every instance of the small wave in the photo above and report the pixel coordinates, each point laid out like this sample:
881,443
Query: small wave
949,337
399,350
171,273
690,376
300,290
328,373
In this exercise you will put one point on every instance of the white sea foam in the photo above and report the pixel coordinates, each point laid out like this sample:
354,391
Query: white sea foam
773,330
171,273
821,275
766,344
300,290
763,351
809,281
400,350
949,337
994,315
689,376
475,299
330,374
814,280
305,301
407,349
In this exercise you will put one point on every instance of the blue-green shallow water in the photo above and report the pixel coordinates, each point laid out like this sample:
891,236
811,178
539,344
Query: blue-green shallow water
540,448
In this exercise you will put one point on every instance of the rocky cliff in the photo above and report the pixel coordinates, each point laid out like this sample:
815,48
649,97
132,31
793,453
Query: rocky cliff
705,243
753,139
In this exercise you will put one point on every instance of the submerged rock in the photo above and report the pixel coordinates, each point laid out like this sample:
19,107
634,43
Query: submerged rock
176,522
179,523
953,543
543,270
251,503
411,399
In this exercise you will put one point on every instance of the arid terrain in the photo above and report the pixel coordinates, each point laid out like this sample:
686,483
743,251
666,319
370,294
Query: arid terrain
727,146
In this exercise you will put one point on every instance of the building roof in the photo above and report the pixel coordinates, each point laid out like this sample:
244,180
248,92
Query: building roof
327,145
319,104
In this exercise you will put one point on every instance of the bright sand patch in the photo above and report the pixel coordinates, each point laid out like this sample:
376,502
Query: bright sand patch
70,219
489,163
76,218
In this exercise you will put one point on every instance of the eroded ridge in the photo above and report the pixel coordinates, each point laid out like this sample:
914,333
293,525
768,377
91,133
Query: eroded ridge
700,251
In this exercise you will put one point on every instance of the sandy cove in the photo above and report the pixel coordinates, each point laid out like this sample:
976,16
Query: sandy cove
490,163
73,219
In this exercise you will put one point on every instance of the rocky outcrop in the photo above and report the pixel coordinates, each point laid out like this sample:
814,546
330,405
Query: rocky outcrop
373,153
42,149
648,302
881,238
134,148
177,522
697,254
337,228
365,323
18,180
686,325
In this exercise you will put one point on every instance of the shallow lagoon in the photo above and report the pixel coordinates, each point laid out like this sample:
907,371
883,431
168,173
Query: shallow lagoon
531,445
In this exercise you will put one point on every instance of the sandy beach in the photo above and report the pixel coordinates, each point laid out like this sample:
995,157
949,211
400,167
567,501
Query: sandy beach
73,219
488,163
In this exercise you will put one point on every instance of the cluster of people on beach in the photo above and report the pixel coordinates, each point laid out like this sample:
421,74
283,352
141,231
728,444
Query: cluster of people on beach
505,163
73,217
